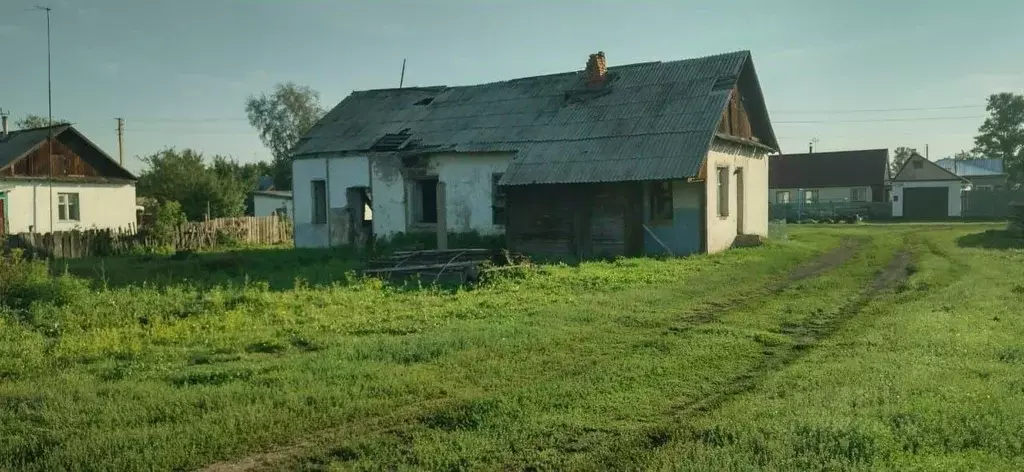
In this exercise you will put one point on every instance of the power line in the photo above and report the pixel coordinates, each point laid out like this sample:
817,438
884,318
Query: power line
874,110
880,120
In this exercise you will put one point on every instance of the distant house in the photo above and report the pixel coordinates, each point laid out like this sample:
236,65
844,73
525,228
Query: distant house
840,176
272,202
78,187
922,190
984,174
636,159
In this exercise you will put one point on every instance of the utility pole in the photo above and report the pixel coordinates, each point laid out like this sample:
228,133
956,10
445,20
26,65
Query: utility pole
49,106
926,152
401,80
120,140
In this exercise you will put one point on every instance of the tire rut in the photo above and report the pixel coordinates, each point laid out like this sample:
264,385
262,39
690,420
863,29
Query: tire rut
848,248
806,336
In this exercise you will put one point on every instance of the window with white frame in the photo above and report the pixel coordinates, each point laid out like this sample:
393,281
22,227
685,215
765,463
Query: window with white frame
723,192
782,196
67,207
811,196
858,194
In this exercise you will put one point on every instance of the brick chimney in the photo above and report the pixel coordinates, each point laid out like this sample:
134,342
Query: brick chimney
597,70
3,125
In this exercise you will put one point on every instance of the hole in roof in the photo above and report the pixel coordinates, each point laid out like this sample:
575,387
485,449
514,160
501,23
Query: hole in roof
425,101
724,82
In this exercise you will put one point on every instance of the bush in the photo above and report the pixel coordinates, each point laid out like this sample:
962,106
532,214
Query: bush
169,217
24,281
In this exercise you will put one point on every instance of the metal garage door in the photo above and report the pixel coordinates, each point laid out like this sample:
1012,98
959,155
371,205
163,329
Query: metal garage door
925,203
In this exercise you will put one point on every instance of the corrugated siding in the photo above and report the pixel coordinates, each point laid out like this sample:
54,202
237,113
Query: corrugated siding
655,122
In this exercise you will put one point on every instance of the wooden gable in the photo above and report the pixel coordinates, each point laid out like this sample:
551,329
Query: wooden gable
68,156
735,121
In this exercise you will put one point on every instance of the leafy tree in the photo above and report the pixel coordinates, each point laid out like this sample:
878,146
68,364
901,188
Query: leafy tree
183,177
282,117
899,156
1002,133
169,217
36,121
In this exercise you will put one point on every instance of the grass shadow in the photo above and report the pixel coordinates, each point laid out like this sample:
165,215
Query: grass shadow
991,239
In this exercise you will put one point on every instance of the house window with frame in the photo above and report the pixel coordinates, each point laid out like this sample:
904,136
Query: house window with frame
858,194
497,200
319,193
67,207
723,192
811,196
661,201
782,196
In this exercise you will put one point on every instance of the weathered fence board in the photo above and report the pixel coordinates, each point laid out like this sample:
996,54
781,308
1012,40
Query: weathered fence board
250,230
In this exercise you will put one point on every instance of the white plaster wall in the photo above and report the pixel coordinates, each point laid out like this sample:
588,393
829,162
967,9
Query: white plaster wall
468,198
824,193
345,172
955,189
468,189
721,232
266,205
388,188
100,206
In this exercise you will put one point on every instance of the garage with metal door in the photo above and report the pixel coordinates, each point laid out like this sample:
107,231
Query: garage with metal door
923,203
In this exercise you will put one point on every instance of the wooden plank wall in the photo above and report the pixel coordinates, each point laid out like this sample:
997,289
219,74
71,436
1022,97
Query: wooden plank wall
65,163
579,221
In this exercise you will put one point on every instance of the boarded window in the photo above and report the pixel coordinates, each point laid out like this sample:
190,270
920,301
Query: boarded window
67,207
425,201
723,192
859,194
782,196
661,201
811,196
497,200
319,202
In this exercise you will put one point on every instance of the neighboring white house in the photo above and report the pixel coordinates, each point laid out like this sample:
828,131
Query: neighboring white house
650,158
83,189
272,202
922,190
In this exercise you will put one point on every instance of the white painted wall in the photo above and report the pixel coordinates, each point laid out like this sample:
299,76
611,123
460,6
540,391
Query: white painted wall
955,189
467,179
824,193
267,205
721,231
345,172
100,205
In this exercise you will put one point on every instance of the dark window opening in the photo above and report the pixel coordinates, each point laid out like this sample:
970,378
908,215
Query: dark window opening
918,164
425,197
497,200
391,141
661,201
319,193
425,101
723,192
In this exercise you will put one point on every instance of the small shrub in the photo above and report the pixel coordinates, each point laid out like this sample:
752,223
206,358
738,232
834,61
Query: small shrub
24,281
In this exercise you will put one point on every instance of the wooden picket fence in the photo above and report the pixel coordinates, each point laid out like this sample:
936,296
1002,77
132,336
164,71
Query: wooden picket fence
211,234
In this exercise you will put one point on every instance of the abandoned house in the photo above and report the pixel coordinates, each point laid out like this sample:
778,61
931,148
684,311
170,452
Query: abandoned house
648,158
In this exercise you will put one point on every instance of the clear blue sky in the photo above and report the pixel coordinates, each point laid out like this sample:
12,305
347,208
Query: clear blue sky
179,71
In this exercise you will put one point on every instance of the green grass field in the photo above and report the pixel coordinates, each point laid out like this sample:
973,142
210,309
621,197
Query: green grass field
863,347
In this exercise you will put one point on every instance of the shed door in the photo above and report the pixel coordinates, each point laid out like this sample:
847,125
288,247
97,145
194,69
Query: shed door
924,203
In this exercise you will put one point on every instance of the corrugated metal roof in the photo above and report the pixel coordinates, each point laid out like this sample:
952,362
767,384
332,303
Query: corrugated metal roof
972,167
650,121
863,167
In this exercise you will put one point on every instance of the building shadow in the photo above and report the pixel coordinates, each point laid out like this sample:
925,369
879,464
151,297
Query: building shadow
991,239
